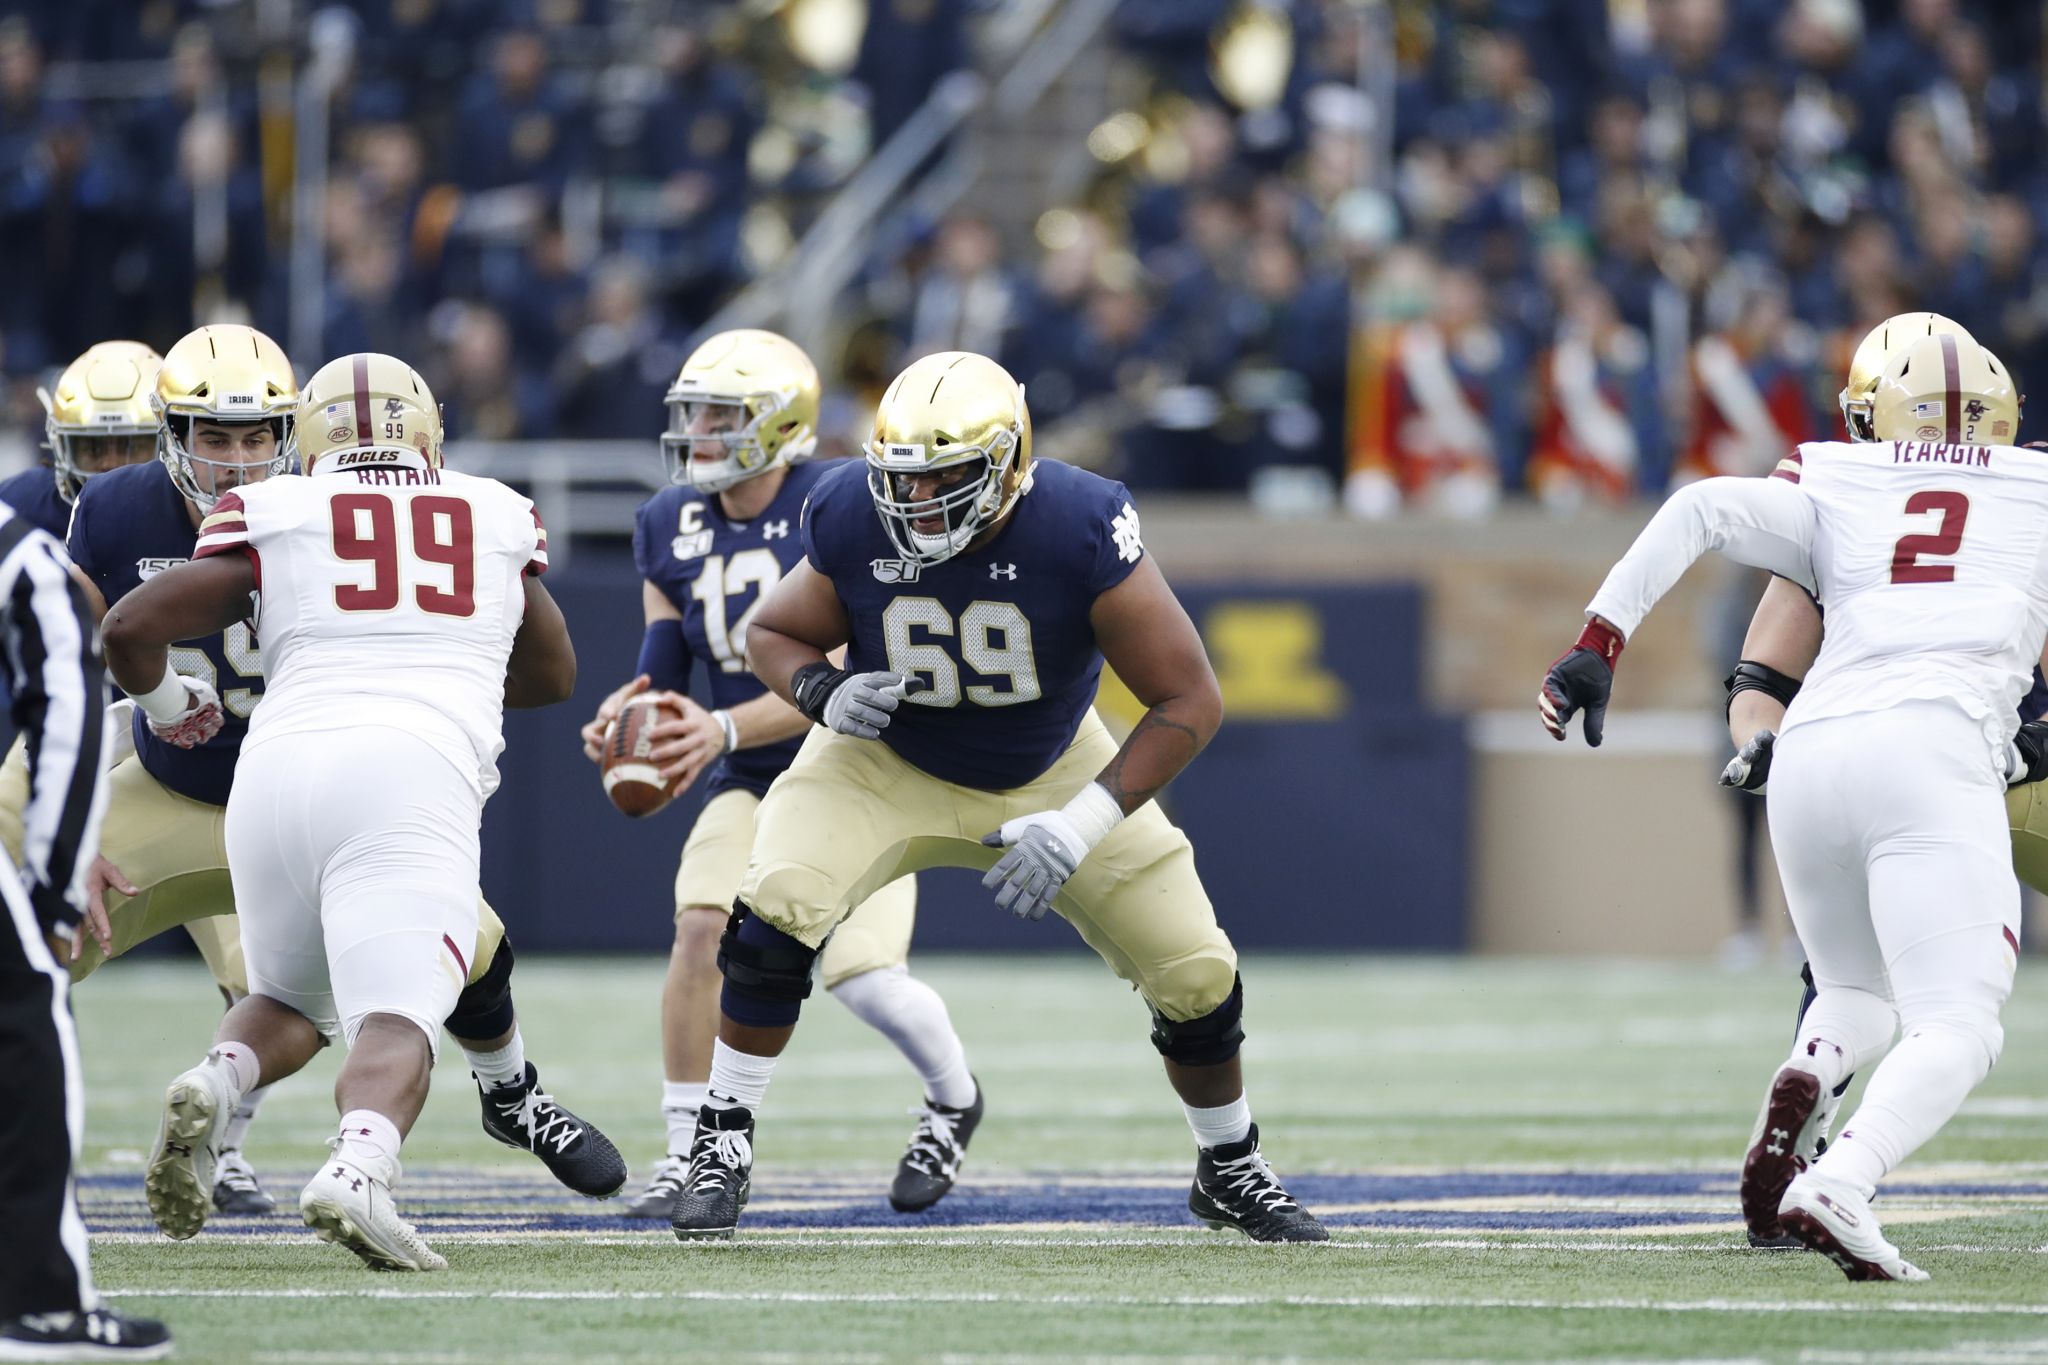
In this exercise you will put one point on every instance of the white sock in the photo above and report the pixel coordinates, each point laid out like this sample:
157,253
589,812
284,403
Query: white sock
367,1136
244,1115
504,1067
1225,1124
1913,1092
739,1080
238,1061
911,1015
680,1101
1842,1032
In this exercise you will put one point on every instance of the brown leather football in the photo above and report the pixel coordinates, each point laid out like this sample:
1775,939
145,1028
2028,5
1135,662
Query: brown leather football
632,779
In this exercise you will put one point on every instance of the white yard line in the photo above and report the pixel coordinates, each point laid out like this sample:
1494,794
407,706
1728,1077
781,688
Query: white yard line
1431,1302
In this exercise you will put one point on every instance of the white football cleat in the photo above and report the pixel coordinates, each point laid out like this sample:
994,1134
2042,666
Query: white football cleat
1834,1219
349,1203
179,1182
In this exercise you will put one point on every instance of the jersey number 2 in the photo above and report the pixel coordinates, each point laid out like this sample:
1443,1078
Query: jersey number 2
1943,543
443,533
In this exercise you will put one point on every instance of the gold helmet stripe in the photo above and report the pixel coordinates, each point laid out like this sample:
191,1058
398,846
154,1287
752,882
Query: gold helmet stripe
1951,390
361,375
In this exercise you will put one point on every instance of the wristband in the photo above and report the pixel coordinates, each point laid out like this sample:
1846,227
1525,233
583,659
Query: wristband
1094,813
730,728
167,701
1602,639
813,685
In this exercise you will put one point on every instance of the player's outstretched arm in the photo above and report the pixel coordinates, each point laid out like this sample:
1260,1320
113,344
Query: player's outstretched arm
197,598
542,668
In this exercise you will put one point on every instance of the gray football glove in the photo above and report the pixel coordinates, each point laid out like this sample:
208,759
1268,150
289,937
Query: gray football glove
1044,851
1750,770
857,704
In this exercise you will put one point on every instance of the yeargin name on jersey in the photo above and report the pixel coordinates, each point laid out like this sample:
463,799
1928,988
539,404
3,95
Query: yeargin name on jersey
1932,452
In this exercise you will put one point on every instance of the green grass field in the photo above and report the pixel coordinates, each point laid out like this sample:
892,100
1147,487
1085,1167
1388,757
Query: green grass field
1519,1161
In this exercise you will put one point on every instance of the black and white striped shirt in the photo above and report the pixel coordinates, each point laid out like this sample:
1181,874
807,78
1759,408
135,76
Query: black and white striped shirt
58,681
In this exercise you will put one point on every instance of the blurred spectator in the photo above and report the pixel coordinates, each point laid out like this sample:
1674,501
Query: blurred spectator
515,125
907,46
611,380
484,395
1434,410
965,301
1599,432
1750,400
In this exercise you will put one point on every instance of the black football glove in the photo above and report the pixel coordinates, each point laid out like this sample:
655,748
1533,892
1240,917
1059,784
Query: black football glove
1581,679
2032,744
1750,769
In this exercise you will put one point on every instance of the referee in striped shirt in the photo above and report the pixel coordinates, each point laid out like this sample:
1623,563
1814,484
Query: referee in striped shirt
50,653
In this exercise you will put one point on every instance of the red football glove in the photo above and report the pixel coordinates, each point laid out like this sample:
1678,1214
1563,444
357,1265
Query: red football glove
1582,678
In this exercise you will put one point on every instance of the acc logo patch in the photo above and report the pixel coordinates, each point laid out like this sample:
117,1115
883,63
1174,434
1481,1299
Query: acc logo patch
895,570
341,433
1929,433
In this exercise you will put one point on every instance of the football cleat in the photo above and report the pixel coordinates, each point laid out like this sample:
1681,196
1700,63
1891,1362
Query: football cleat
658,1200
96,1334
1835,1220
350,1204
521,1114
236,1189
1775,1150
1235,1188
932,1163
180,1177
720,1176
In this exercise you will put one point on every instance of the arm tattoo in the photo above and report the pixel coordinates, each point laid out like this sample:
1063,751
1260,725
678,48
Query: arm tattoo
1153,755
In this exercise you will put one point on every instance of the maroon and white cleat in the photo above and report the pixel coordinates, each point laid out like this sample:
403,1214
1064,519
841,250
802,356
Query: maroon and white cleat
1835,1220
1775,1151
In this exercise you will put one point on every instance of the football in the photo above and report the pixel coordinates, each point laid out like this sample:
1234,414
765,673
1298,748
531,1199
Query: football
631,778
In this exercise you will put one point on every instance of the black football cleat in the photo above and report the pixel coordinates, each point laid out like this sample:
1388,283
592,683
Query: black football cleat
521,1114
236,1189
96,1334
932,1163
720,1177
1235,1188
664,1187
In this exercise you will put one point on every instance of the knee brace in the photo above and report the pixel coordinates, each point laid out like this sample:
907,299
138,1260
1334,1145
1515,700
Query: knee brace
767,973
484,1009
1210,1040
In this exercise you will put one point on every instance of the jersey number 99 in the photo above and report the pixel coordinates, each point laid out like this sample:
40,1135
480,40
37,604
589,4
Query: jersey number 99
443,533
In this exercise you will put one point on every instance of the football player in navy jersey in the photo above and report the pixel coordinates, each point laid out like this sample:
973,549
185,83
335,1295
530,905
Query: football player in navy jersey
97,418
226,397
979,595
742,411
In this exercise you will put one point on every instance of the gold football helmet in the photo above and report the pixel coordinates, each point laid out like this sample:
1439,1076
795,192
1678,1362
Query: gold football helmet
1949,389
228,375
100,417
954,411
745,402
1878,346
369,410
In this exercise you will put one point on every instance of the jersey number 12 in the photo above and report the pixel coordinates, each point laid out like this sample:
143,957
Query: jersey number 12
1942,543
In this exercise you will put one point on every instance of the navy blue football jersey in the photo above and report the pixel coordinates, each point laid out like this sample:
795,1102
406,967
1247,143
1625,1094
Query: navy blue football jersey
1000,635
33,495
716,572
131,524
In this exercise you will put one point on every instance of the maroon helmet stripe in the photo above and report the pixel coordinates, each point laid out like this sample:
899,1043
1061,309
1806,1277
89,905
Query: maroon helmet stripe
1952,390
363,400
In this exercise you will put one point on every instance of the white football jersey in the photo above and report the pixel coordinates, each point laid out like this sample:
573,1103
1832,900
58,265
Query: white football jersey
1929,561
385,596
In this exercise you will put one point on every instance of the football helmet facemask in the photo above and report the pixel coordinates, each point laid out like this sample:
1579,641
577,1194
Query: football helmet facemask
368,411
745,402
230,375
1879,345
99,417
1946,388
962,418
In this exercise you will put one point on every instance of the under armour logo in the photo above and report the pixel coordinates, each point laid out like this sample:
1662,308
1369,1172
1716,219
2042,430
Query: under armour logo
774,530
1776,1147
1008,571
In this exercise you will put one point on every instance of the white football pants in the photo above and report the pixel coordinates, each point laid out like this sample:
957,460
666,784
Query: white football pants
354,859
1891,838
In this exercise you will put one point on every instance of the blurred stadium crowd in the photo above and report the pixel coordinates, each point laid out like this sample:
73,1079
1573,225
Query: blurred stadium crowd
1414,253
